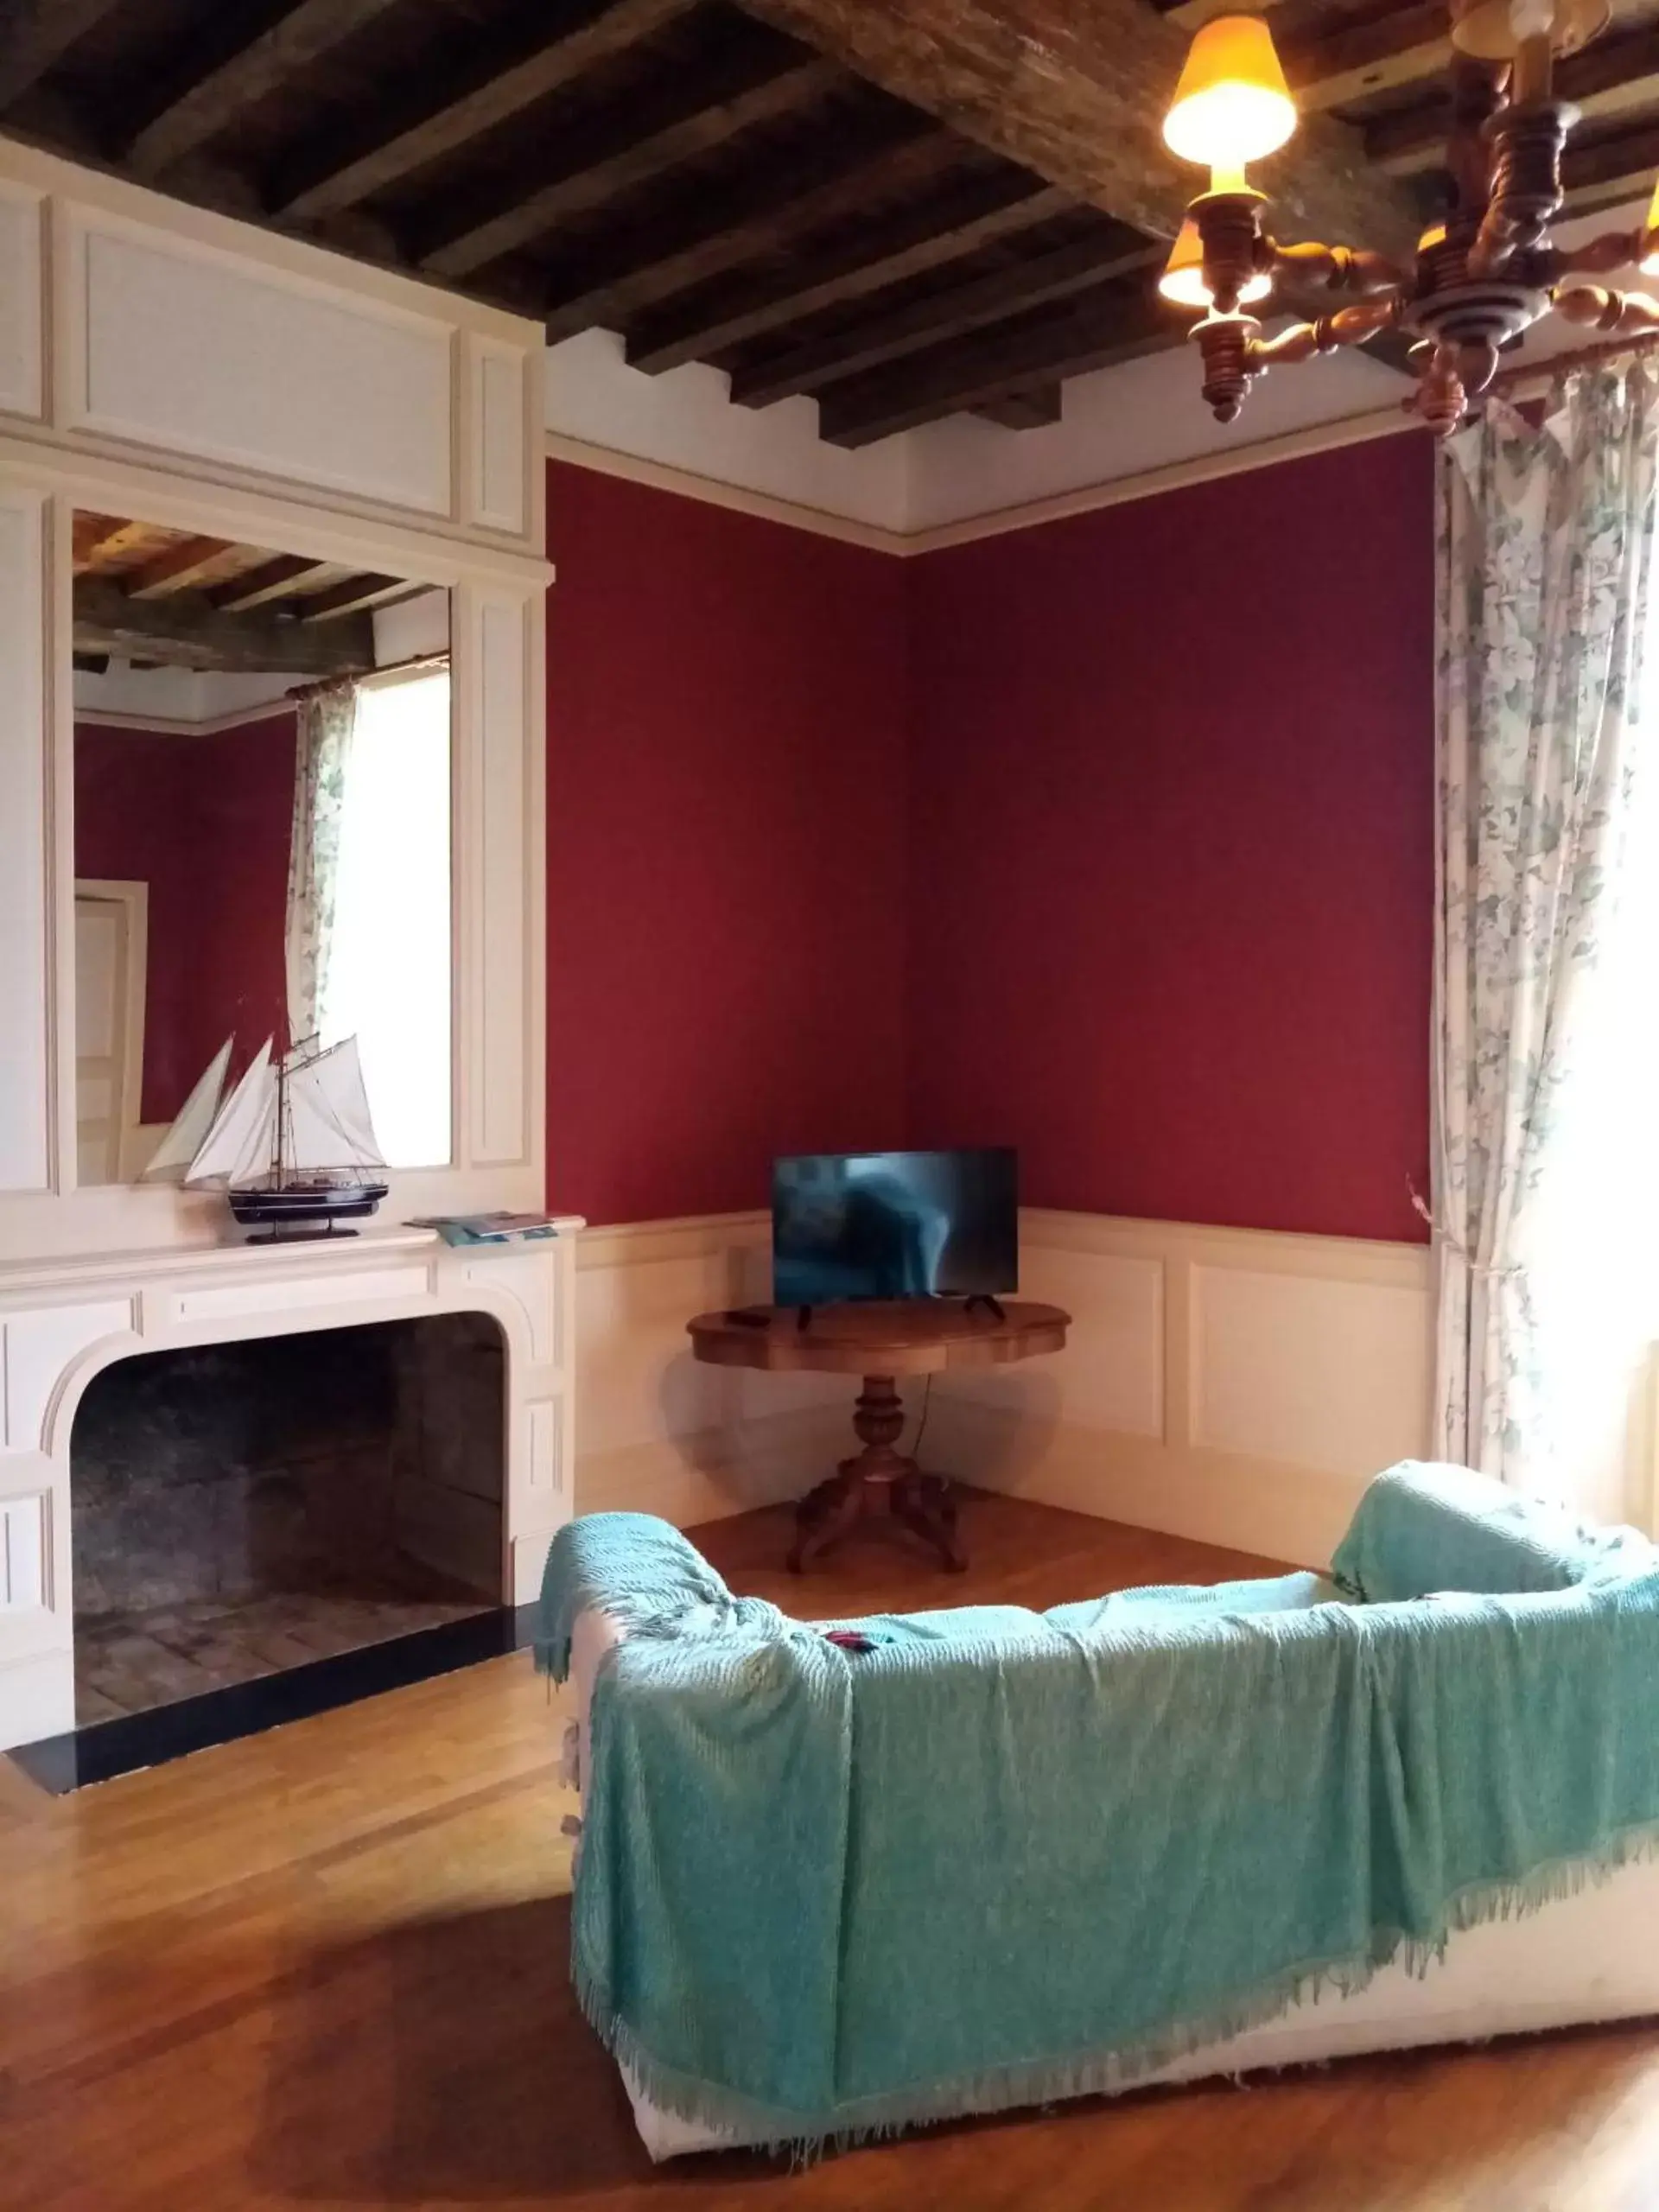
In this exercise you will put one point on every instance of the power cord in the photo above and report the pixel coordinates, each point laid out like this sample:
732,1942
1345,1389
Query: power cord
921,1425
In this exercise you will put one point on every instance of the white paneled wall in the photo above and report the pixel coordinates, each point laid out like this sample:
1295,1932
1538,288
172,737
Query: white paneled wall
1230,1385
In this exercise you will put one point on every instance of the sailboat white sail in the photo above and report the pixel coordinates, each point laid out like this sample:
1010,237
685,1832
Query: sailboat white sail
329,1123
241,1141
291,1120
195,1118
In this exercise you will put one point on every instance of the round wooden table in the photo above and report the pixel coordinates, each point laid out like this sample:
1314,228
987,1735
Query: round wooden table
880,1340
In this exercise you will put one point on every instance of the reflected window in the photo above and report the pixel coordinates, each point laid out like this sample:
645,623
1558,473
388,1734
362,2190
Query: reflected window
385,978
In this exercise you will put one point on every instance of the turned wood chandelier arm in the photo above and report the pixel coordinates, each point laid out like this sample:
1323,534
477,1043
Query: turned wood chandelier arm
1597,257
1617,315
1311,267
1349,326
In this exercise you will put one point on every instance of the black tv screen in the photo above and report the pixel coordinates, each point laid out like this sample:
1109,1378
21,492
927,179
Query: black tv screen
893,1224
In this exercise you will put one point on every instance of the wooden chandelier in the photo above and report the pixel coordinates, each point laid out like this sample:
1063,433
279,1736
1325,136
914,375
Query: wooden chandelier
1480,279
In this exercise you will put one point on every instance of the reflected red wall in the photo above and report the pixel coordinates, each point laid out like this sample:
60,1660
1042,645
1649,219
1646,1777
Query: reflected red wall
204,821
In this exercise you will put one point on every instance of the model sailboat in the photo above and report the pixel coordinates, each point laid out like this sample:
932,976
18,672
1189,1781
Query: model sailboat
293,1146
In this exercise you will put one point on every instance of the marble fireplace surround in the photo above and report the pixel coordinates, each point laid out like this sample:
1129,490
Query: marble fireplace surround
63,1320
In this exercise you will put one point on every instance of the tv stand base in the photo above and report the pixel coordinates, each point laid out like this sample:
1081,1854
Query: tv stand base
878,1481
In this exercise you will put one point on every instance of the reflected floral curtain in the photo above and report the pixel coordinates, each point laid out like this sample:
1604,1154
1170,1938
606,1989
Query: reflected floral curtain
327,719
1544,549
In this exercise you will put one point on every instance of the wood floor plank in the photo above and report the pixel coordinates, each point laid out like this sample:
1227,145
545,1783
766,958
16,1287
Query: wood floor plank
327,1969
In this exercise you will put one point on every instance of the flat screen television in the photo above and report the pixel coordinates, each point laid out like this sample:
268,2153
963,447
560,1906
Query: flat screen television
894,1224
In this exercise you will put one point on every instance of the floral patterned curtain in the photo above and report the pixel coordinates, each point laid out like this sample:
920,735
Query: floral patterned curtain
327,719
1544,546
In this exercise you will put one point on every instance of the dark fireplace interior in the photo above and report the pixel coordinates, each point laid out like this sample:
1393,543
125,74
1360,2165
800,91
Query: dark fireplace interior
243,1507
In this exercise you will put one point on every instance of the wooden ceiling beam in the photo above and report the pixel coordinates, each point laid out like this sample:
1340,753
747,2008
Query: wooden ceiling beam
279,578
910,327
1615,75
1119,323
1034,409
174,568
186,630
502,73
36,34
622,151
1326,68
200,108
1077,95
351,595
701,237
924,237
1610,169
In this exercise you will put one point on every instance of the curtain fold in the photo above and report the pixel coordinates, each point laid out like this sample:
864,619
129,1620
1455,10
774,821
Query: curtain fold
326,719
1543,550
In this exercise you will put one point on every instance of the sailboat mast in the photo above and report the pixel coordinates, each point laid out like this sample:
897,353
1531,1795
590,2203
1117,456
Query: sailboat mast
277,1121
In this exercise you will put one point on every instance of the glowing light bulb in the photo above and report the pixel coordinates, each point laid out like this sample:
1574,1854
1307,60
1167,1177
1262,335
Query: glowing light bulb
1183,283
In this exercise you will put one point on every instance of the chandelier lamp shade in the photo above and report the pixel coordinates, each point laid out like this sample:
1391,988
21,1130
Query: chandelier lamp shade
1480,279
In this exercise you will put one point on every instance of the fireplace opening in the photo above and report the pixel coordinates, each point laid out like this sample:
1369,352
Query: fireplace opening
242,1509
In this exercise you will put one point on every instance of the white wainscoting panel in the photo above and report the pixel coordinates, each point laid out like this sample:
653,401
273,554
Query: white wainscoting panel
1233,1386
182,346
25,1087
494,637
498,428
21,380
1306,1368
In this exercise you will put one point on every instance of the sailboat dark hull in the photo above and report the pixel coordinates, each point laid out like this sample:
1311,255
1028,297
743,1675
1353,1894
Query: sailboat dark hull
298,1211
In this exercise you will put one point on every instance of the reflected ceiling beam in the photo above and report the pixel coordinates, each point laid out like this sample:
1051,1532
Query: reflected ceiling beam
973,215
173,568
186,630
1118,324
1077,94
696,113
352,593
35,34
274,579
908,329
201,108
459,97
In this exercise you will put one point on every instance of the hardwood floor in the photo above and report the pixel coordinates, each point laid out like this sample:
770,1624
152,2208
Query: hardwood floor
326,1969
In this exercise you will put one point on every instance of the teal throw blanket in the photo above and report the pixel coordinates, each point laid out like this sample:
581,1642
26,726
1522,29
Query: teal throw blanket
1424,1526
1000,1856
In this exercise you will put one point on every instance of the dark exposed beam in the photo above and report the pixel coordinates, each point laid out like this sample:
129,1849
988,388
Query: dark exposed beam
1117,323
495,76
174,568
187,631
33,34
692,116
909,327
1077,93
1034,409
924,237
274,579
700,236
1614,75
350,596
1610,169
243,74
1332,63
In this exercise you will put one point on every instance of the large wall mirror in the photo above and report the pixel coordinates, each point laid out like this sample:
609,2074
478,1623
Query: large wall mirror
261,861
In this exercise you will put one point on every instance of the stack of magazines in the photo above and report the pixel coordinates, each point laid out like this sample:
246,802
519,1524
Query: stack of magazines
489,1228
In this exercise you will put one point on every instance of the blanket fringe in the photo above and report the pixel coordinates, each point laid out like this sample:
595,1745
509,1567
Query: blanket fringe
804,2136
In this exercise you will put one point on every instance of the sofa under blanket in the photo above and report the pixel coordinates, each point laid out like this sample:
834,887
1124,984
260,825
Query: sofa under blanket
996,1856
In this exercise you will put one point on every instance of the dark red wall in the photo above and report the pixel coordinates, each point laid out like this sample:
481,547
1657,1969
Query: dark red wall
205,822
1116,832
726,810
1171,849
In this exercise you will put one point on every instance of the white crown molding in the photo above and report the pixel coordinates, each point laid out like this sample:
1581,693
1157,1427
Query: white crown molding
174,726
665,476
1147,483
